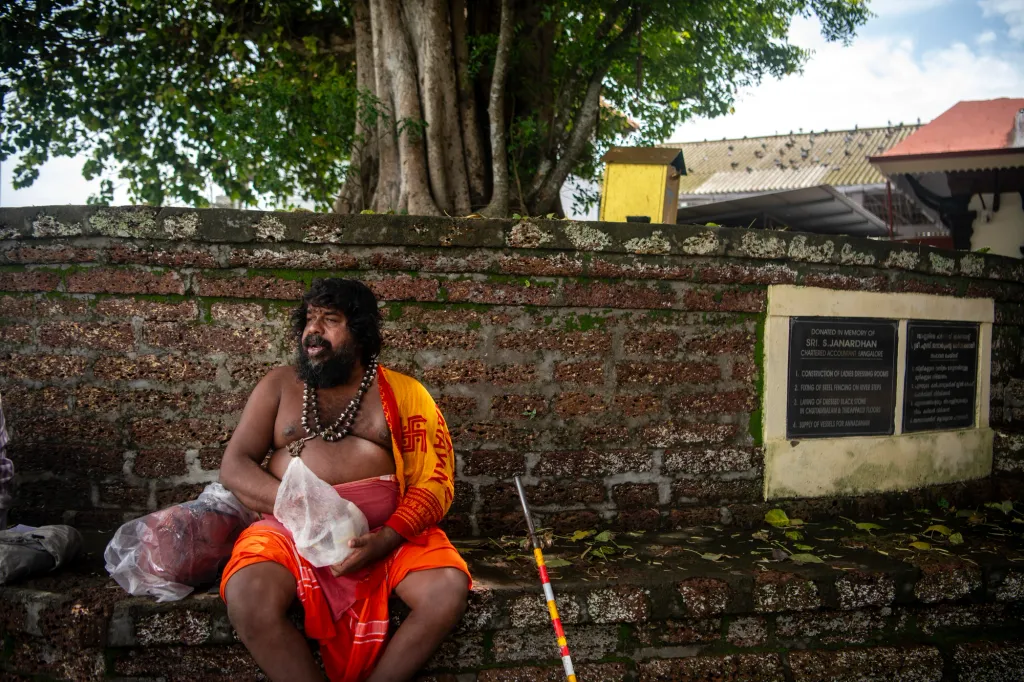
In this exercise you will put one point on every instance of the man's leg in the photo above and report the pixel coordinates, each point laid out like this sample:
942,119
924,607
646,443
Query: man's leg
258,597
437,599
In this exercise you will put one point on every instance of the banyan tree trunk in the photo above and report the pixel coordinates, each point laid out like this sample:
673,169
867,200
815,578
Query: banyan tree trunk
418,133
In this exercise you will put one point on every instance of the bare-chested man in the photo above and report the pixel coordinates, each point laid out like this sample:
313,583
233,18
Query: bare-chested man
377,437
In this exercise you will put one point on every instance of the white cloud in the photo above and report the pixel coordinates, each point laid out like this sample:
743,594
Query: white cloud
1012,12
60,182
872,82
986,38
896,8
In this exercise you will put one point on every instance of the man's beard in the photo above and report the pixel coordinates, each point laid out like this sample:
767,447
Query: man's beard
333,370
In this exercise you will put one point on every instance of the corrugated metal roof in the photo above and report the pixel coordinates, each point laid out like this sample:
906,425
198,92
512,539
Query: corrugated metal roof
820,209
761,164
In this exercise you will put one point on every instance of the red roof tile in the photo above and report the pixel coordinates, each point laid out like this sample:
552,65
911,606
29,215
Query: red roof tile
968,127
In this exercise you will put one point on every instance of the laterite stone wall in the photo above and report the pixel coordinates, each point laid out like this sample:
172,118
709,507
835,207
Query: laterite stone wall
615,366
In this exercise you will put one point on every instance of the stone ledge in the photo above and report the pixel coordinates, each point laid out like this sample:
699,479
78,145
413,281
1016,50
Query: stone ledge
235,226
666,614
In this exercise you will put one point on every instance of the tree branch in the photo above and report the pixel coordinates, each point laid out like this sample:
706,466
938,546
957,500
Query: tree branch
568,89
586,118
476,164
498,206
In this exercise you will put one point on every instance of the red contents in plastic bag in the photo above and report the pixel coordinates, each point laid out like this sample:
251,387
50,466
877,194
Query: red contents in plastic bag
187,544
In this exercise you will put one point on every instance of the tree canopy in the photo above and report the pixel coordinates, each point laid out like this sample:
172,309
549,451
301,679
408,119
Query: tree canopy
283,99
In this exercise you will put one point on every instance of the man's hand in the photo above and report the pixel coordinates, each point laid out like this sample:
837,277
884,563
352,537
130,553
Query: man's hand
367,549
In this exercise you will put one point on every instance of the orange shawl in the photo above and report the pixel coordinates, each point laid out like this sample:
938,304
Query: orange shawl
424,457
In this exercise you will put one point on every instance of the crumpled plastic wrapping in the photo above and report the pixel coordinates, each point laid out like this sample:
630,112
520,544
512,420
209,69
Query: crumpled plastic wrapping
170,552
320,520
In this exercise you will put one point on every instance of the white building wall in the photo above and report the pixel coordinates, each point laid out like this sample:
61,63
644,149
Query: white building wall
1001,232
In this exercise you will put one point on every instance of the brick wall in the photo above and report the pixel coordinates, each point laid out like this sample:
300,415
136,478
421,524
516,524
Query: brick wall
614,365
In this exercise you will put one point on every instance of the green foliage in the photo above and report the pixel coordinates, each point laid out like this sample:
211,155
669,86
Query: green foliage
170,96
260,97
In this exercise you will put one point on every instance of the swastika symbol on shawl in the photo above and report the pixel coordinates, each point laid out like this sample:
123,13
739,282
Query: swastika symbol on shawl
414,435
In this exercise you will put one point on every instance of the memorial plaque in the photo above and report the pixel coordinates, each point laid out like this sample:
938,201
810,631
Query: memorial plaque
842,377
942,376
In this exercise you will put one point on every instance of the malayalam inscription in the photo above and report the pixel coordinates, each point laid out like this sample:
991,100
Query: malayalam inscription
942,376
842,377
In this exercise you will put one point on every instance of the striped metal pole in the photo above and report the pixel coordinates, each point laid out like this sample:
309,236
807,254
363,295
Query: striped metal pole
545,582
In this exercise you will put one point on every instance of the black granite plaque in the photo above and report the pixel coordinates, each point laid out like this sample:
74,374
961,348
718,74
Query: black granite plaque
942,376
842,377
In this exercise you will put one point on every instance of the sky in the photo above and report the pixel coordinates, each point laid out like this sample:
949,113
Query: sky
913,60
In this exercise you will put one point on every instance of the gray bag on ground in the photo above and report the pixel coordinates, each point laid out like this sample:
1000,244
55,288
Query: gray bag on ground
32,553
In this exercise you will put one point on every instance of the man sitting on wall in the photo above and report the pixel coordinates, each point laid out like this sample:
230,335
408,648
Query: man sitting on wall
379,439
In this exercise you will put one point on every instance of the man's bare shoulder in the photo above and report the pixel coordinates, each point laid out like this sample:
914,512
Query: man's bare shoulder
277,379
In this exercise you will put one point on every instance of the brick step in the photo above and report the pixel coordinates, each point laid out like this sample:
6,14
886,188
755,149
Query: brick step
663,611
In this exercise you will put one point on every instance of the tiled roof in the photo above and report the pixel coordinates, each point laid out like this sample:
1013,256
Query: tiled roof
967,127
761,164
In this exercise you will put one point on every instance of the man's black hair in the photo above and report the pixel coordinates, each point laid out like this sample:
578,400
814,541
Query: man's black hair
352,298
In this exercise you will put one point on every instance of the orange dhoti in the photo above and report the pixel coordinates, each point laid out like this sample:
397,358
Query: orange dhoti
351,645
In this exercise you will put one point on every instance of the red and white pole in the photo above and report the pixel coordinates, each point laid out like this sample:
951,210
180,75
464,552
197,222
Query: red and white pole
549,594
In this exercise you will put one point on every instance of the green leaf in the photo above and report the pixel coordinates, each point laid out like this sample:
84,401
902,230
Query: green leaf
796,522
943,502
805,559
868,526
556,562
603,536
710,556
938,529
920,545
1005,506
956,539
794,535
581,534
803,548
777,518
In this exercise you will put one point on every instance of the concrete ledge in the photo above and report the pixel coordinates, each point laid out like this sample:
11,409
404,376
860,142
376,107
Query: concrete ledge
823,467
235,226
667,614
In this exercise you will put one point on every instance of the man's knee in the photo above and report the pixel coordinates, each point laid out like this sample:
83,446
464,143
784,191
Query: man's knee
258,598
449,594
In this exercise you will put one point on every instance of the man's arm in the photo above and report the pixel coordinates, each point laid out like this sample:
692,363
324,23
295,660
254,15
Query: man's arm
240,470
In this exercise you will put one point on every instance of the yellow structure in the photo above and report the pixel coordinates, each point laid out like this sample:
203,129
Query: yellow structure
641,182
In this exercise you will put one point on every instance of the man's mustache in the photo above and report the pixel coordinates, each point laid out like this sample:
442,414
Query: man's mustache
316,340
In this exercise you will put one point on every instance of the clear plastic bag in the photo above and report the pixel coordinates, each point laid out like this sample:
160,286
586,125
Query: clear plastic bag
168,553
320,520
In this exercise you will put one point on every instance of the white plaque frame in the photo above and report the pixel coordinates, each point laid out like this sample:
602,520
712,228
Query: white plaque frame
855,465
